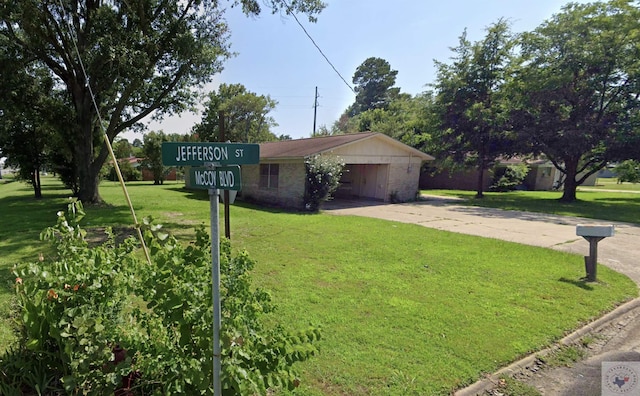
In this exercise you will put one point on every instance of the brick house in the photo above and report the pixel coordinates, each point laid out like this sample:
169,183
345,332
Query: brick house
542,176
376,167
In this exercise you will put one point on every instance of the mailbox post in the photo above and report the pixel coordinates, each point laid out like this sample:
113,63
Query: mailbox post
594,234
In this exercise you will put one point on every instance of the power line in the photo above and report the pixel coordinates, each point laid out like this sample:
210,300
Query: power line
316,45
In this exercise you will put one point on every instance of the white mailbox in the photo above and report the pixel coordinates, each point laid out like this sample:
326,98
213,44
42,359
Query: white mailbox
594,230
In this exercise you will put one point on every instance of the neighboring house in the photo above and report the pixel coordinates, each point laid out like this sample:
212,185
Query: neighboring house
376,167
543,175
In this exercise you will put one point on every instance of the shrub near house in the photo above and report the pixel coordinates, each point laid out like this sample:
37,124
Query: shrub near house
323,178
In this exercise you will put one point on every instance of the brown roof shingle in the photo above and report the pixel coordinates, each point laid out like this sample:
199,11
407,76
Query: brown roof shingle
303,148
310,146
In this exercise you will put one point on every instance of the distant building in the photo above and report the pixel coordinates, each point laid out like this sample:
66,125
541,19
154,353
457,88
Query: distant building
542,176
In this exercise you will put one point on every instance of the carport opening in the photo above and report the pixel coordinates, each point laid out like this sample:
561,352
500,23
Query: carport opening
364,182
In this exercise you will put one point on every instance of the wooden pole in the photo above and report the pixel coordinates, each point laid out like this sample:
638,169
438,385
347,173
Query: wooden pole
225,193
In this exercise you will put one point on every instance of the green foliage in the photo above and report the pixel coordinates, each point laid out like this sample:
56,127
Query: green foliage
471,109
246,116
374,81
140,58
95,319
71,306
152,152
575,92
509,178
323,175
178,320
122,148
32,111
129,173
409,119
628,171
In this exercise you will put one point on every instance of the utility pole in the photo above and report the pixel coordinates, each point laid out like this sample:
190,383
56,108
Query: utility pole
315,112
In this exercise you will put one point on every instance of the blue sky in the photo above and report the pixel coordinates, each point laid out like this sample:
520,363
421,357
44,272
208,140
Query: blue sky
275,57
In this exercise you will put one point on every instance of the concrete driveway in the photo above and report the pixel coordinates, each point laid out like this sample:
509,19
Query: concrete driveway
619,332
621,252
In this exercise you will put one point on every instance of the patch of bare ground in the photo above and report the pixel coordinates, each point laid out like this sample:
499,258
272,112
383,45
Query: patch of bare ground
178,218
98,235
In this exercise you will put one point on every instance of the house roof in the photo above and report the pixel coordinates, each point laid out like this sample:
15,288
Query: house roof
302,148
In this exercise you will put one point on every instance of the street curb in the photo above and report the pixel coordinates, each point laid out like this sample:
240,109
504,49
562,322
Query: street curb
490,381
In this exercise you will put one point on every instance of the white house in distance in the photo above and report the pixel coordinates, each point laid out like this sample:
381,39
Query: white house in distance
376,167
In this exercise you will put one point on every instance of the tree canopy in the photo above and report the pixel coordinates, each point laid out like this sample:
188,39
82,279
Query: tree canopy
374,81
576,91
152,153
246,116
32,110
138,58
472,114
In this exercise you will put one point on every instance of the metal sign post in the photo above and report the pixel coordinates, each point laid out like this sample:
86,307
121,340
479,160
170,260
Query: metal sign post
222,172
215,289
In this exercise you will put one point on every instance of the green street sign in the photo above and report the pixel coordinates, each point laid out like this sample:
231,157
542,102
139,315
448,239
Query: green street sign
222,178
180,154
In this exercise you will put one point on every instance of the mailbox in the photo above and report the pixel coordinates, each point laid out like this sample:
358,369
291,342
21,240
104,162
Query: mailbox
594,230
593,233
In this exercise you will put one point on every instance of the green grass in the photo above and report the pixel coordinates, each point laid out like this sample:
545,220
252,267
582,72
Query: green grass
511,387
612,206
612,184
565,356
404,309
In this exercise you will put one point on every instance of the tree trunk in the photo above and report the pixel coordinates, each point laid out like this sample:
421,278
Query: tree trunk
35,181
570,185
480,186
86,161
88,180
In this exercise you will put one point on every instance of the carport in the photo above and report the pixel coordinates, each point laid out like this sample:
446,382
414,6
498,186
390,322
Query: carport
376,167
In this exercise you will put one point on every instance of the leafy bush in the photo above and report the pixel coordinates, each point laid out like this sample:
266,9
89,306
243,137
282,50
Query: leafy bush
323,175
98,320
129,173
628,171
509,178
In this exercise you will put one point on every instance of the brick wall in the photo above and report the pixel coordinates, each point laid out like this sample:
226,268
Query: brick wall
290,189
403,182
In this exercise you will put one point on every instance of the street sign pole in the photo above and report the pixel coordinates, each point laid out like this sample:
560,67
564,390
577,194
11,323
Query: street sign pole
215,289
222,172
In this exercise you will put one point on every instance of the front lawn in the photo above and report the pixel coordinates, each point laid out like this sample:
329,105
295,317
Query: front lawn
404,309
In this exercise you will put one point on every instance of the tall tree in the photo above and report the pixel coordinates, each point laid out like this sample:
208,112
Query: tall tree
122,148
31,110
407,118
469,101
374,81
577,91
152,152
138,58
246,116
